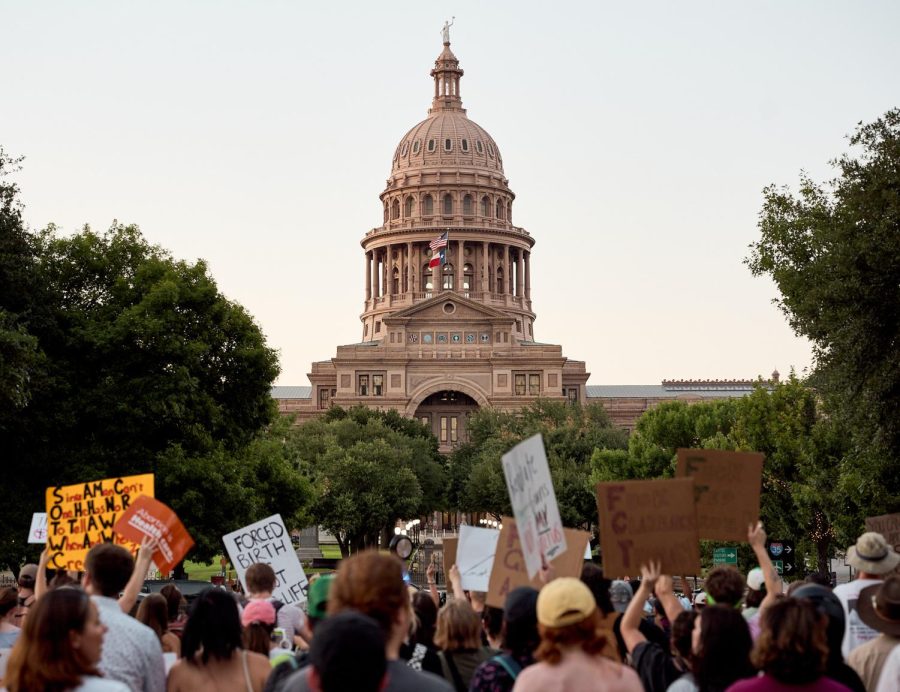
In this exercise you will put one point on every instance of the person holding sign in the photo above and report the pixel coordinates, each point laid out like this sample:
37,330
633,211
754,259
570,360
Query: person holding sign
569,653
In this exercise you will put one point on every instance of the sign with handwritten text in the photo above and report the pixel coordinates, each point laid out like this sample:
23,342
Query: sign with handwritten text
648,520
475,556
726,489
268,541
149,517
38,531
508,571
534,503
82,515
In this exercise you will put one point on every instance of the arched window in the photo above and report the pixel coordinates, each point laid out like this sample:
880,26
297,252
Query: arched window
431,145
395,282
395,209
427,285
485,207
465,145
468,277
448,144
509,211
428,204
448,205
467,205
448,277
499,279
499,213
409,206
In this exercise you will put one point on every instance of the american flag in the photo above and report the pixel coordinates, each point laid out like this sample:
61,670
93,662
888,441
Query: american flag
439,242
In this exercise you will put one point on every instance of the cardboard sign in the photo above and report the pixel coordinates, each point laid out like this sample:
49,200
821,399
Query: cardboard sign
82,515
267,540
38,531
449,556
726,487
509,571
888,525
648,520
475,556
149,517
534,503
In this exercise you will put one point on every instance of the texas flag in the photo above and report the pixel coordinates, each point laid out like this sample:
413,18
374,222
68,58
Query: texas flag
439,258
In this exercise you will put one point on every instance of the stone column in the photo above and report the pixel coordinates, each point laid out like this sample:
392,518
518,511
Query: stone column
460,245
520,283
410,274
506,271
528,276
388,272
368,277
374,273
485,274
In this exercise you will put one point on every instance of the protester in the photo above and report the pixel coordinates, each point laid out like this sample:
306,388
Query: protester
654,662
756,592
791,651
212,657
347,653
9,603
26,583
700,601
720,652
593,578
260,634
829,606
458,638
492,626
568,621
889,681
520,638
260,579
620,595
132,653
372,583
419,651
176,606
60,647
153,611
874,559
879,608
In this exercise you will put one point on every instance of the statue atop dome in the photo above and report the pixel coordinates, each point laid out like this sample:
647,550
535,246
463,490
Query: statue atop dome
445,32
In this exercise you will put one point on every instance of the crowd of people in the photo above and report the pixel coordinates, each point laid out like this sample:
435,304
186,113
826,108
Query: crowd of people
364,628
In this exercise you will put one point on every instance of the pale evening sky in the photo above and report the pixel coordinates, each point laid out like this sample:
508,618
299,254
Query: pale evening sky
636,136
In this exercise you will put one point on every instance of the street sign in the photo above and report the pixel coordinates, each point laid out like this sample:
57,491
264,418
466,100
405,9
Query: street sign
725,556
783,556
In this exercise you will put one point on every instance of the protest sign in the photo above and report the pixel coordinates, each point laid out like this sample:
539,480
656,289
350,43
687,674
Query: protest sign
509,571
534,503
475,556
449,556
267,540
82,515
648,520
726,488
38,531
149,517
888,525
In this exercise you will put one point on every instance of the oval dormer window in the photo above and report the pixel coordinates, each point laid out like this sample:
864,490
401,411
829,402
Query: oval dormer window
430,145
448,144
465,145
491,149
404,149
479,147
416,146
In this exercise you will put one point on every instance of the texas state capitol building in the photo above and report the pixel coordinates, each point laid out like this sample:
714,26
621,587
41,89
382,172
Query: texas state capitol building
439,342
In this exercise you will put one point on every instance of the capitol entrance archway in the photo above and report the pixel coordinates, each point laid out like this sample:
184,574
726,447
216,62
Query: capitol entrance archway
445,413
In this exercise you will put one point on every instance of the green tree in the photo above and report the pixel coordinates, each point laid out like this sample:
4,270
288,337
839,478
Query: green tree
368,469
834,253
571,435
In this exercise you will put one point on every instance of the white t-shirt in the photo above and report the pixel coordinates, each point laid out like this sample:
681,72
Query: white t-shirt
289,618
890,674
90,683
856,632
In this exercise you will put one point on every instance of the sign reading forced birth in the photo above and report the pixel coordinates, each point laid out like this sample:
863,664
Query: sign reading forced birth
726,487
267,540
534,503
82,515
648,520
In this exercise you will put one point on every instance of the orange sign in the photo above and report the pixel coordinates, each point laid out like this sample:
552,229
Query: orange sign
509,571
79,516
726,487
149,517
648,520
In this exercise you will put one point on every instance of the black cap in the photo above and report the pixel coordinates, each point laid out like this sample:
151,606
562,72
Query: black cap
347,652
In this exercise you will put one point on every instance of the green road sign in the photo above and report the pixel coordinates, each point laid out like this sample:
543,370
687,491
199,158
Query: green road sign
779,566
725,556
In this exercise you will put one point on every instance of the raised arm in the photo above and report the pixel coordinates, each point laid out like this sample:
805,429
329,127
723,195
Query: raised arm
141,565
666,595
40,580
756,535
631,620
432,584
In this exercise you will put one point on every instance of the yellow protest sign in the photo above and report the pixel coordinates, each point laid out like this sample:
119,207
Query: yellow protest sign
81,515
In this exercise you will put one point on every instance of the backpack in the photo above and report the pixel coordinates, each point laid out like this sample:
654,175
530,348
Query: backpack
509,664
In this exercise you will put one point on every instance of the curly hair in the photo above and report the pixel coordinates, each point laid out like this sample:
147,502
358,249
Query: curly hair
725,585
792,646
585,634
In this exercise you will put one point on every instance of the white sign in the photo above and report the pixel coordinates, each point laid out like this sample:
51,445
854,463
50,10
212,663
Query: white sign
38,531
268,541
587,551
475,556
534,503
